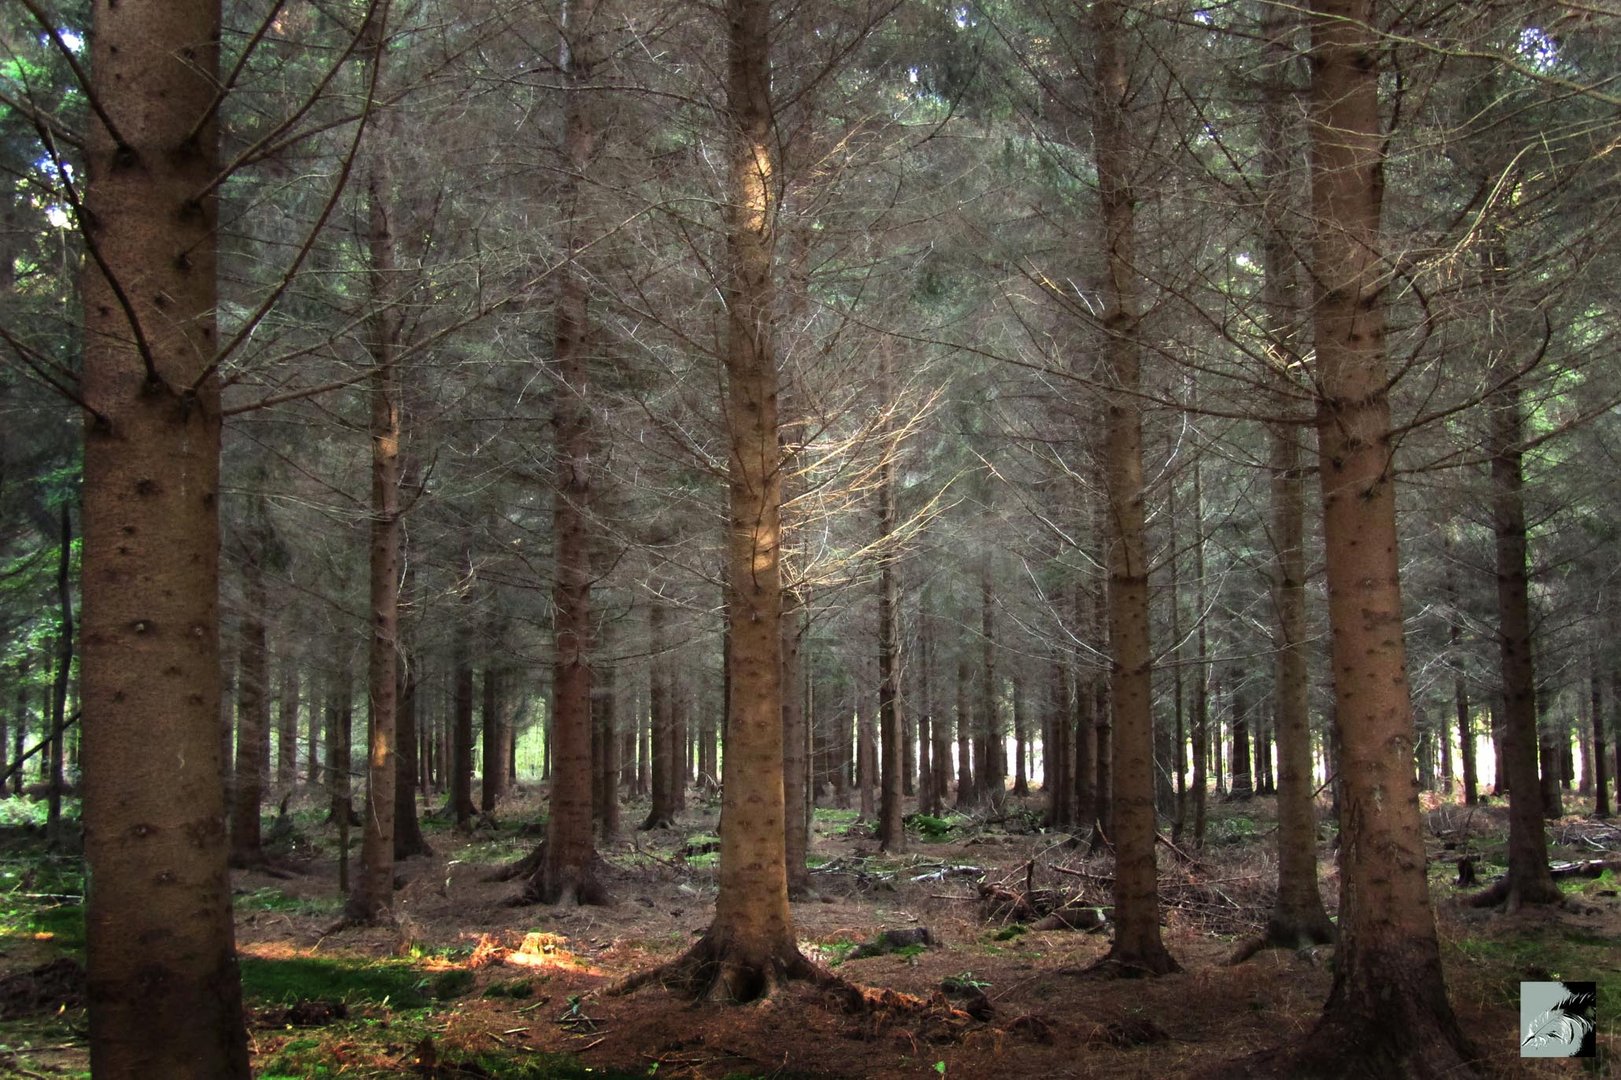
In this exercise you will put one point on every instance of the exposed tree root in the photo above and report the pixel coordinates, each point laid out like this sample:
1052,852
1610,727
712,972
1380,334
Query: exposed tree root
579,885
1114,966
708,972
1502,893
1290,934
522,868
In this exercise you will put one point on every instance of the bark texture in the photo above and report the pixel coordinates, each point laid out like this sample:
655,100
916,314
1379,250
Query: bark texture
1387,1014
163,989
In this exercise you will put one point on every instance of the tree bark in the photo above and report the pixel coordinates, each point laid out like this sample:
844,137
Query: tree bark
163,989
569,870
373,901
1387,1013
749,948
1137,948
492,724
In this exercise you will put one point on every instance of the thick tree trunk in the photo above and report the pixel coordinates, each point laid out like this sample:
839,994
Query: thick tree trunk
1387,1013
569,871
749,947
163,988
493,780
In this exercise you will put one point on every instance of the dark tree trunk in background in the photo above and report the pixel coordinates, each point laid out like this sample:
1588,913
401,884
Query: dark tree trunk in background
492,728
605,753
339,736
892,766
461,734
663,748
993,780
965,738
287,725
408,838
1601,765
1242,786
252,701
162,981
795,752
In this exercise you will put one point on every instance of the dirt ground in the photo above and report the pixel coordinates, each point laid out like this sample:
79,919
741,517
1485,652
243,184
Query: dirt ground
1046,1019
529,980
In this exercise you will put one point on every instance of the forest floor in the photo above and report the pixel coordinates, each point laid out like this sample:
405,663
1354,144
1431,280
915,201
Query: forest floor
469,986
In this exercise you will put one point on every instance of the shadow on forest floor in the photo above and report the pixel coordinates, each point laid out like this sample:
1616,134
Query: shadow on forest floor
465,986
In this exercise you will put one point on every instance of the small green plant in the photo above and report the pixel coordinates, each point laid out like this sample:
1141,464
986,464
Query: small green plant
517,988
940,1067
933,829
963,980
837,952
1008,933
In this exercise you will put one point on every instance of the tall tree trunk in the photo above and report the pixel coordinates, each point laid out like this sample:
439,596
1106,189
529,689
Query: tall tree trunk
749,948
1297,917
1529,881
867,746
164,996
373,901
1387,1013
569,870
929,743
1059,751
1137,948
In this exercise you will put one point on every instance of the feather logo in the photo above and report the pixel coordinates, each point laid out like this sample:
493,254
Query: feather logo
1565,1024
